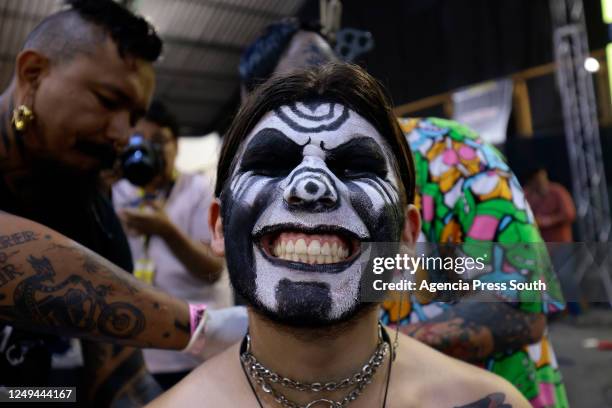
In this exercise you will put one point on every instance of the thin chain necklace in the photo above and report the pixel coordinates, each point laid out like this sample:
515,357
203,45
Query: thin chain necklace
264,377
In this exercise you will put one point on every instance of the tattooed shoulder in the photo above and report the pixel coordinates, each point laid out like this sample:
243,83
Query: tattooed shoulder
495,400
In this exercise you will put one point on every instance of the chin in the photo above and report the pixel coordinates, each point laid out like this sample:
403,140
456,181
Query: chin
303,275
301,317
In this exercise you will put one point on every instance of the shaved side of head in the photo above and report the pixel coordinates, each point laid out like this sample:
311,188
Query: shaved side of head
86,24
64,35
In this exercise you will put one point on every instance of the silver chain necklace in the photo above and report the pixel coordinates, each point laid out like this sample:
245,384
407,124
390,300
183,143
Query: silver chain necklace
265,378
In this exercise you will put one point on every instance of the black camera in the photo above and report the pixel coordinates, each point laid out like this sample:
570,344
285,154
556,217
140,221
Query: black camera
141,160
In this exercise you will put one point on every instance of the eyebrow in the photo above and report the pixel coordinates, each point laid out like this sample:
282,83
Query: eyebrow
137,111
273,147
115,90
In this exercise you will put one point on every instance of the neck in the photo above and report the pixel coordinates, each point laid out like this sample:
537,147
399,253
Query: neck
318,355
12,150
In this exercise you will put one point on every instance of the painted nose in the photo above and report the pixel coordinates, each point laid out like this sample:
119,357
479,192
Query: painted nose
311,191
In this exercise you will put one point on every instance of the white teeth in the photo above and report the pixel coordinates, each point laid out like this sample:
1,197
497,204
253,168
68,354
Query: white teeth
314,248
325,249
313,253
300,247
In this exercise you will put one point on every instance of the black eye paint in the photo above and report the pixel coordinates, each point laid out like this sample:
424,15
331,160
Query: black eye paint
359,156
271,153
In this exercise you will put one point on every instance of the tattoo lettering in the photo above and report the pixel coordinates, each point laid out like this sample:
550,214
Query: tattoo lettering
73,302
490,401
8,273
4,257
18,238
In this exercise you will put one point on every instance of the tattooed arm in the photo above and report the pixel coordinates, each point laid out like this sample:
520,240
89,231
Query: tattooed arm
473,329
117,376
49,283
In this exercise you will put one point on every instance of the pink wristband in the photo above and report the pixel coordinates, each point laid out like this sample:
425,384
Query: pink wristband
196,313
197,321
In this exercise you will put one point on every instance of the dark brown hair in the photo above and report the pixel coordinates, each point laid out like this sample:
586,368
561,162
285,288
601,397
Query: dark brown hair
336,82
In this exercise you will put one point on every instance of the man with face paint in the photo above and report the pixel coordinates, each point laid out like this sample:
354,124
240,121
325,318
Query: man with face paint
313,167
459,180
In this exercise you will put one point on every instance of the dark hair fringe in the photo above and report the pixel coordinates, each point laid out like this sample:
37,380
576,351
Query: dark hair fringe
132,34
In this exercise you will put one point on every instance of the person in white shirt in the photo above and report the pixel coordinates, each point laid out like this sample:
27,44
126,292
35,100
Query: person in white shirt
167,227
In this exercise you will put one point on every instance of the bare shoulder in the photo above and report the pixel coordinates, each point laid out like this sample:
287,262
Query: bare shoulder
441,381
209,385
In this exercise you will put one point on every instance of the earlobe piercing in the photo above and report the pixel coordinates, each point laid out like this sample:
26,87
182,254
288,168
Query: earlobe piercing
22,118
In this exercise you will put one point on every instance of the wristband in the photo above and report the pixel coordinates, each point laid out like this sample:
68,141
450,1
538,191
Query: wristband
197,322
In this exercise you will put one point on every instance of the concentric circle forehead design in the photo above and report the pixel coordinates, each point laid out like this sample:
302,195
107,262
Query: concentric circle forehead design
314,116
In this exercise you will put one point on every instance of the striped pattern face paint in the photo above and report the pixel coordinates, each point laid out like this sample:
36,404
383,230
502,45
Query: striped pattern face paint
312,181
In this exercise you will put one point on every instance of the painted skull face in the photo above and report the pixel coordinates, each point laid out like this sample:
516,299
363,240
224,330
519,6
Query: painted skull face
311,183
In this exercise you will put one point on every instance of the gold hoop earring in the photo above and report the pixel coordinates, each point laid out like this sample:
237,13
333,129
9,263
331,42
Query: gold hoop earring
22,118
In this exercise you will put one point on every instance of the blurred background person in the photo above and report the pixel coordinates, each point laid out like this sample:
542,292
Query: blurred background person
554,211
166,220
552,206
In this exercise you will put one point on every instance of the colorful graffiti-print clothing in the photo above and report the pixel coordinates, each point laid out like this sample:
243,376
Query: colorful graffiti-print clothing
467,194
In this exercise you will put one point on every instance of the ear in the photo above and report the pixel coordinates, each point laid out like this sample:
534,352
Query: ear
412,224
215,225
31,67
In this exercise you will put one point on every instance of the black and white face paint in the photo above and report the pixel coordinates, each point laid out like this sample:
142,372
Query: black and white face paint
312,181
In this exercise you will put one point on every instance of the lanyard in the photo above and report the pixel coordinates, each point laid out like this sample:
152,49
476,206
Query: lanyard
144,268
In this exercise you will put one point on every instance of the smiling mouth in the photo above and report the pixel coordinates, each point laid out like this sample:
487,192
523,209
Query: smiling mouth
309,247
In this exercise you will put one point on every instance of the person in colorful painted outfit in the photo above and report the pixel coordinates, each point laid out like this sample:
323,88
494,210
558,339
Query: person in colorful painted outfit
466,193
